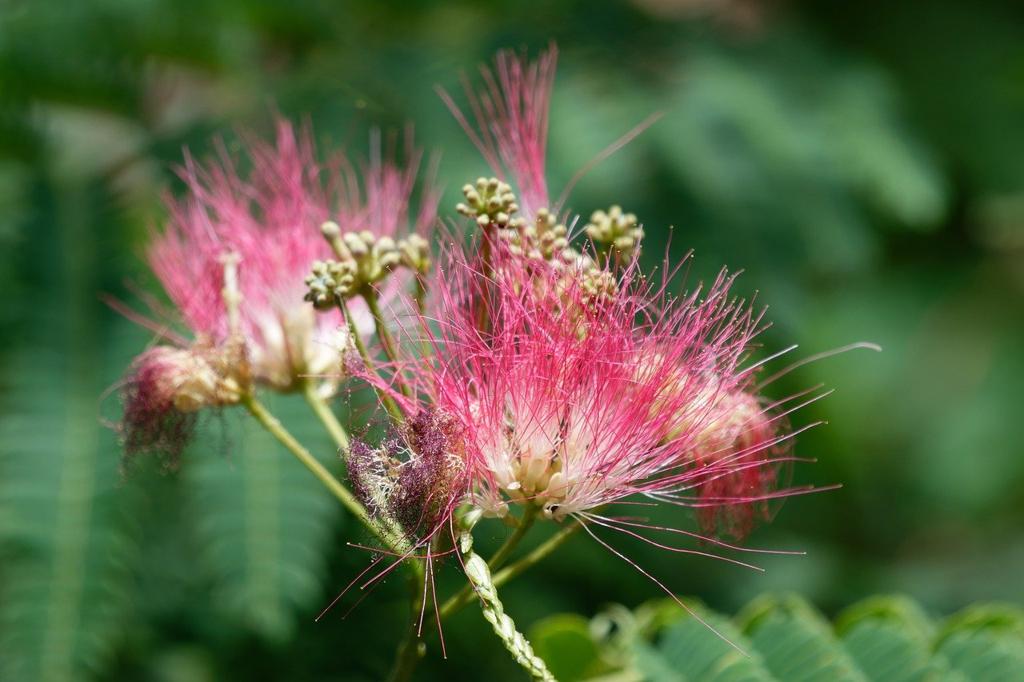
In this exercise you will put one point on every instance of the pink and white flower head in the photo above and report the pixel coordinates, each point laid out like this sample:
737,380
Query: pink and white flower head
571,402
233,257
582,410
269,222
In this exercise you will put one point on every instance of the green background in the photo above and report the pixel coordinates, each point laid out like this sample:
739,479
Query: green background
862,162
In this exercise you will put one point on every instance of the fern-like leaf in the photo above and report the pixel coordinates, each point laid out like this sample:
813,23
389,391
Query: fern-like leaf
67,541
264,523
881,639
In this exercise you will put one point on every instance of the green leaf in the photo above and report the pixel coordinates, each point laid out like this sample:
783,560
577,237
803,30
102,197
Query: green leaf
889,638
66,542
264,523
566,645
691,650
795,641
883,639
67,526
985,642
652,665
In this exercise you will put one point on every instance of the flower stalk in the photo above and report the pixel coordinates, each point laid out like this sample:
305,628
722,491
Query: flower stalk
386,400
456,602
479,576
387,342
274,427
326,416
522,528
542,551
412,649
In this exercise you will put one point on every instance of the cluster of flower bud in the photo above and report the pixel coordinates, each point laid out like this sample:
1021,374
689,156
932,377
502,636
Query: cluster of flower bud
615,230
415,253
330,282
543,238
490,202
597,284
364,259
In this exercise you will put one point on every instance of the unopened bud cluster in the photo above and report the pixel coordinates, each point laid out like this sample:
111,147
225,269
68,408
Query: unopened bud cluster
543,238
364,259
597,284
615,230
415,253
330,282
490,202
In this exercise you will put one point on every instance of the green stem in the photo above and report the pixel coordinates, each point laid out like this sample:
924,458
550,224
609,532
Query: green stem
353,331
457,601
276,429
326,415
482,311
515,642
536,556
420,293
420,297
387,342
387,401
522,528
411,650
463,596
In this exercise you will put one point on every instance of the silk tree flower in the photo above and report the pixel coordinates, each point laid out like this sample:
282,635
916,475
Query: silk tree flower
233,257
571,402
271,220
719,445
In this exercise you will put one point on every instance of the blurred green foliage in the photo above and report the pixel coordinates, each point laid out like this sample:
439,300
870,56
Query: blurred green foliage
863,162
879,639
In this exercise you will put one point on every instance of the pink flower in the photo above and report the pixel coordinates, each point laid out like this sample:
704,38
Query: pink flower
269,221
590,386
744,440
572,401
233,258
